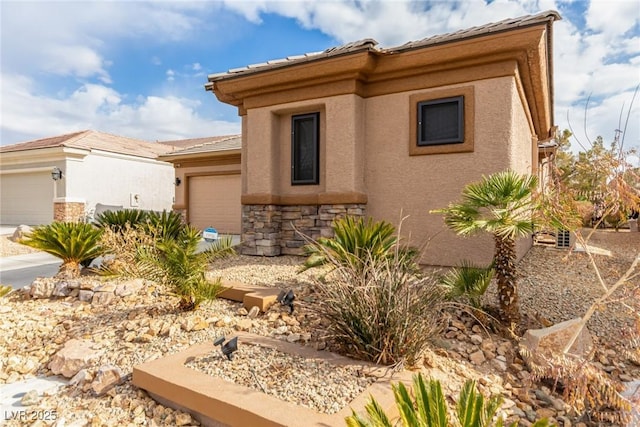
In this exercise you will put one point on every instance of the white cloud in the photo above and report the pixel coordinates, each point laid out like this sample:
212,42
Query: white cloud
27,114
196,66
170,75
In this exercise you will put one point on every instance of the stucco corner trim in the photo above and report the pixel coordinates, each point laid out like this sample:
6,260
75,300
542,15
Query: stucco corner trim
469,121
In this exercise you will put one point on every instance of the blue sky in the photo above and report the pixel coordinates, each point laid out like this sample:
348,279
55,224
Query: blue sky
138,69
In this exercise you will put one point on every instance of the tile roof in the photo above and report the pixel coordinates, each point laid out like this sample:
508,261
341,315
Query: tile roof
372,45
94,140
209,145
186,143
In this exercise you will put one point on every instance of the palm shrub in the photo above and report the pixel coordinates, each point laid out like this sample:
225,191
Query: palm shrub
73,242
468,281
355,240
5,290
117,220
176,262
378,309
428,408
122,250
501,204
165,225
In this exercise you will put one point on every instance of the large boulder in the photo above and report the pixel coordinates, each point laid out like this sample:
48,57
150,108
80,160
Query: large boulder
552,340
19,232
75,355
107,377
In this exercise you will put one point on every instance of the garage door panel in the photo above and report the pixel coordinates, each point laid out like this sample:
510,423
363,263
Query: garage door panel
26,198
214,201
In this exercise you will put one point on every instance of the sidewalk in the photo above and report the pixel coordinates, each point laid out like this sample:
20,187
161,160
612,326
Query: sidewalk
27,260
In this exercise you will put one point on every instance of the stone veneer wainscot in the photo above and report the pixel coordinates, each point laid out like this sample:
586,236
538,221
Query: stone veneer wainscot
272,230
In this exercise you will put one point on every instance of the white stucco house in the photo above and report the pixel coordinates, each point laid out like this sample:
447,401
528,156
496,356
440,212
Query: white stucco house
64,177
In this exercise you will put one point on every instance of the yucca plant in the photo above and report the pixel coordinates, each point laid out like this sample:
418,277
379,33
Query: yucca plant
469,281
73,242
355,239
177,263
428,408
379,310
117,220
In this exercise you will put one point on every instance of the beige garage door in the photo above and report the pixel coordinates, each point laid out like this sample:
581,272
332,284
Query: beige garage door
214,201
27,198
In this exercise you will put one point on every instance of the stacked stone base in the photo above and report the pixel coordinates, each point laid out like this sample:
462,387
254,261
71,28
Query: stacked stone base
272,230
68,211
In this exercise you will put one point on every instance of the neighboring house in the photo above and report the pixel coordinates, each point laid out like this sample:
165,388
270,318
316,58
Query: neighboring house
389,133
96,167
208,182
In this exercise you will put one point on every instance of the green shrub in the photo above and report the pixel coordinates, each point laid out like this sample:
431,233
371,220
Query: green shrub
73,242
428,408
177,264
468,281
354,241
5,290
165,225
379,310
116,220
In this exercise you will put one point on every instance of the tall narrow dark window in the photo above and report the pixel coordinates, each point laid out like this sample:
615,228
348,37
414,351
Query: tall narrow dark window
441,121
305,153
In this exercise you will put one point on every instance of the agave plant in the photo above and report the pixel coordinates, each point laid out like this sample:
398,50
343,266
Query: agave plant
467,280
177,263
429,408
73,242
355,241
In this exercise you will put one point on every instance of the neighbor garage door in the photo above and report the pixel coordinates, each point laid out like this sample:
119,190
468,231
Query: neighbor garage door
27,198
214,201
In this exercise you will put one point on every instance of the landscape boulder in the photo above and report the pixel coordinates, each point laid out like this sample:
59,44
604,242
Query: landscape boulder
107,377
75,355
19,232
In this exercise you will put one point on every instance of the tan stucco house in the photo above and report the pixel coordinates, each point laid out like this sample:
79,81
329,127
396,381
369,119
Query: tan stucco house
208,181
389,132
64,177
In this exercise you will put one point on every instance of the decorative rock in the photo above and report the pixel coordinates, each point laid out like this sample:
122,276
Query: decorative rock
477,358
20,232
476,339
81,377
545,413
129,287
244,324
500,362
85,295
30,398
183,419
41,288
72,357
293,337
254,312
242,311
102,298
552,340
61,289
107,377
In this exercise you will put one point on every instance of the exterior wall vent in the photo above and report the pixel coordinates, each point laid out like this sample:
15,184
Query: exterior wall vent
563,239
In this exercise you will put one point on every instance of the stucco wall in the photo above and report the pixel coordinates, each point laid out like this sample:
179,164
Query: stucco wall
399,185
111,179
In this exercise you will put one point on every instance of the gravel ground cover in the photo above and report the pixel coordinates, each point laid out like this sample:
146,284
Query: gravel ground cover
10,248
145,326
327,388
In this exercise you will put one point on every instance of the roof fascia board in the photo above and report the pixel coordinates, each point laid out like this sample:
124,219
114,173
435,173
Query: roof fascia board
122,156
40,154
172,158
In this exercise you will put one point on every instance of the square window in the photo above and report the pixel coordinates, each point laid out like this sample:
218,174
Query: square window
441,121
305,137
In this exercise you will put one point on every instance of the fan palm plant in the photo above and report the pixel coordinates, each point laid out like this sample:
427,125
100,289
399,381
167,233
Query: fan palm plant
177,263
467,280
73,242
500,204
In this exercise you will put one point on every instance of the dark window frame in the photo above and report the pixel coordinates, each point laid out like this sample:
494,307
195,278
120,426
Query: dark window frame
423,140
295,147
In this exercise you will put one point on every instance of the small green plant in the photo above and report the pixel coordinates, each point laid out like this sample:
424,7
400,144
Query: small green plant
468,281
4,290
73,242
355,240
379,310
165,225
117,220
428,408
178,264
